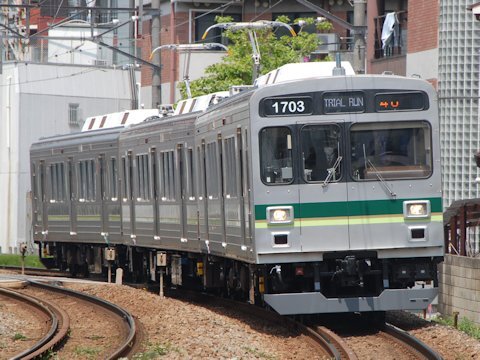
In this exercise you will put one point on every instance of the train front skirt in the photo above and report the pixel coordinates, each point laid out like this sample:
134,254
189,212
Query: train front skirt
316,303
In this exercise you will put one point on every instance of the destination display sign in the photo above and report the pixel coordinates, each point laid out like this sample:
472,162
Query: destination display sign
287,106
338,102
343,102
414,100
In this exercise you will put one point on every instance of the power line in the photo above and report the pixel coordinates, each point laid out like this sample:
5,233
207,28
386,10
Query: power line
52,78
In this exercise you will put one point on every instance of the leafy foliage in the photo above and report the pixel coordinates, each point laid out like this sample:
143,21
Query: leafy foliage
237,67
464,324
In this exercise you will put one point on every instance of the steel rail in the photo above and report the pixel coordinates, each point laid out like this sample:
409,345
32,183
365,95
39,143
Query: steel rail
126,347
60,325
331,344
412,341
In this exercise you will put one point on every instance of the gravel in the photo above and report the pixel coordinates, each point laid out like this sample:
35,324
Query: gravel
174,329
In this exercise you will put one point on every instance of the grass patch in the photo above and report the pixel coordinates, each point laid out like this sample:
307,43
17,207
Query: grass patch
95,337
464,324
16,260
154,351
258,353
86,351
19,336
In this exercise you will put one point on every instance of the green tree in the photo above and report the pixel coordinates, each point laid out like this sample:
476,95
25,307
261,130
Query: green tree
236,68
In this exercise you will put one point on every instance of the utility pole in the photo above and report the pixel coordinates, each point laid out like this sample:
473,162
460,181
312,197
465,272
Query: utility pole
359,7
156,77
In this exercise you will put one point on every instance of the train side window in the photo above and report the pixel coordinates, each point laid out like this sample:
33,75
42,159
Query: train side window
276,155
57,182
113,179
33,171
167,182
87,187
41,181
200,174
212,171
190,175
230,165
125,192
143,177
321,146
391,150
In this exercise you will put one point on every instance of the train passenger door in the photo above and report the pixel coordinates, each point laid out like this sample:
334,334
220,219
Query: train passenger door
202,217
215,200
40,206
128,209
71,196
182,193
155,193
103,195
246,217
232,192
323,197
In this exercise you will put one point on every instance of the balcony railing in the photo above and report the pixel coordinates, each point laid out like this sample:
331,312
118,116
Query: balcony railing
396,44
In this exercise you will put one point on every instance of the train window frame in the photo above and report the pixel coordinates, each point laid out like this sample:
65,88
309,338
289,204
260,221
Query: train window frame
124,174
190,174
325,157
287,161
143,177
167,175
391,165
230,167
113,178
213,171
87,184
57,182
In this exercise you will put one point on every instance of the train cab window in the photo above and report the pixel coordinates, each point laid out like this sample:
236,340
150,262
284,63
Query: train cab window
143,177
391,150
57,182
87,187
276,155
321,146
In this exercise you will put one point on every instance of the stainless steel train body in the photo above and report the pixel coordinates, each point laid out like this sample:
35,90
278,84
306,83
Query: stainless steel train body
313,196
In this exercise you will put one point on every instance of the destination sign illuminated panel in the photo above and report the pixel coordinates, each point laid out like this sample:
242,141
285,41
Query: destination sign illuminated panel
343,102
287,106
414,100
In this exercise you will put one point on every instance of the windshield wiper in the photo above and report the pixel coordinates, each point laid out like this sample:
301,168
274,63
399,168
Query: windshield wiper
381,179
332,171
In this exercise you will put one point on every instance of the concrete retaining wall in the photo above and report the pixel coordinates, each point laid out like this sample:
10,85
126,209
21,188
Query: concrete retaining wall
459,288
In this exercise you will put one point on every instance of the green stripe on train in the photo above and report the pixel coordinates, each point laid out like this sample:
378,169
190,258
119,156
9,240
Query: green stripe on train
354,220
350,208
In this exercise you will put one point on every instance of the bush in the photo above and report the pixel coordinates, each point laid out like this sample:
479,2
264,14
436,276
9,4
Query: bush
16,260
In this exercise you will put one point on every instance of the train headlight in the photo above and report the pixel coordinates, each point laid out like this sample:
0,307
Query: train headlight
280,214
417,209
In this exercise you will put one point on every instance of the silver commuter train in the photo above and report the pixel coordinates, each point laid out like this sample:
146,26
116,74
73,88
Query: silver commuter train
315,195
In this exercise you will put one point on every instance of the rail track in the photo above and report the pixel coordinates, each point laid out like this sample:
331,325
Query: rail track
416,346
35,271
61,323
332,345
329,343
48,312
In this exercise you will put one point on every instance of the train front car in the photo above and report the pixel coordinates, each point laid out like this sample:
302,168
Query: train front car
347,194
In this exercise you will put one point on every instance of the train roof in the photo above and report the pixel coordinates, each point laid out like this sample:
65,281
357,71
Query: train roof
78,138
122,118
299,71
